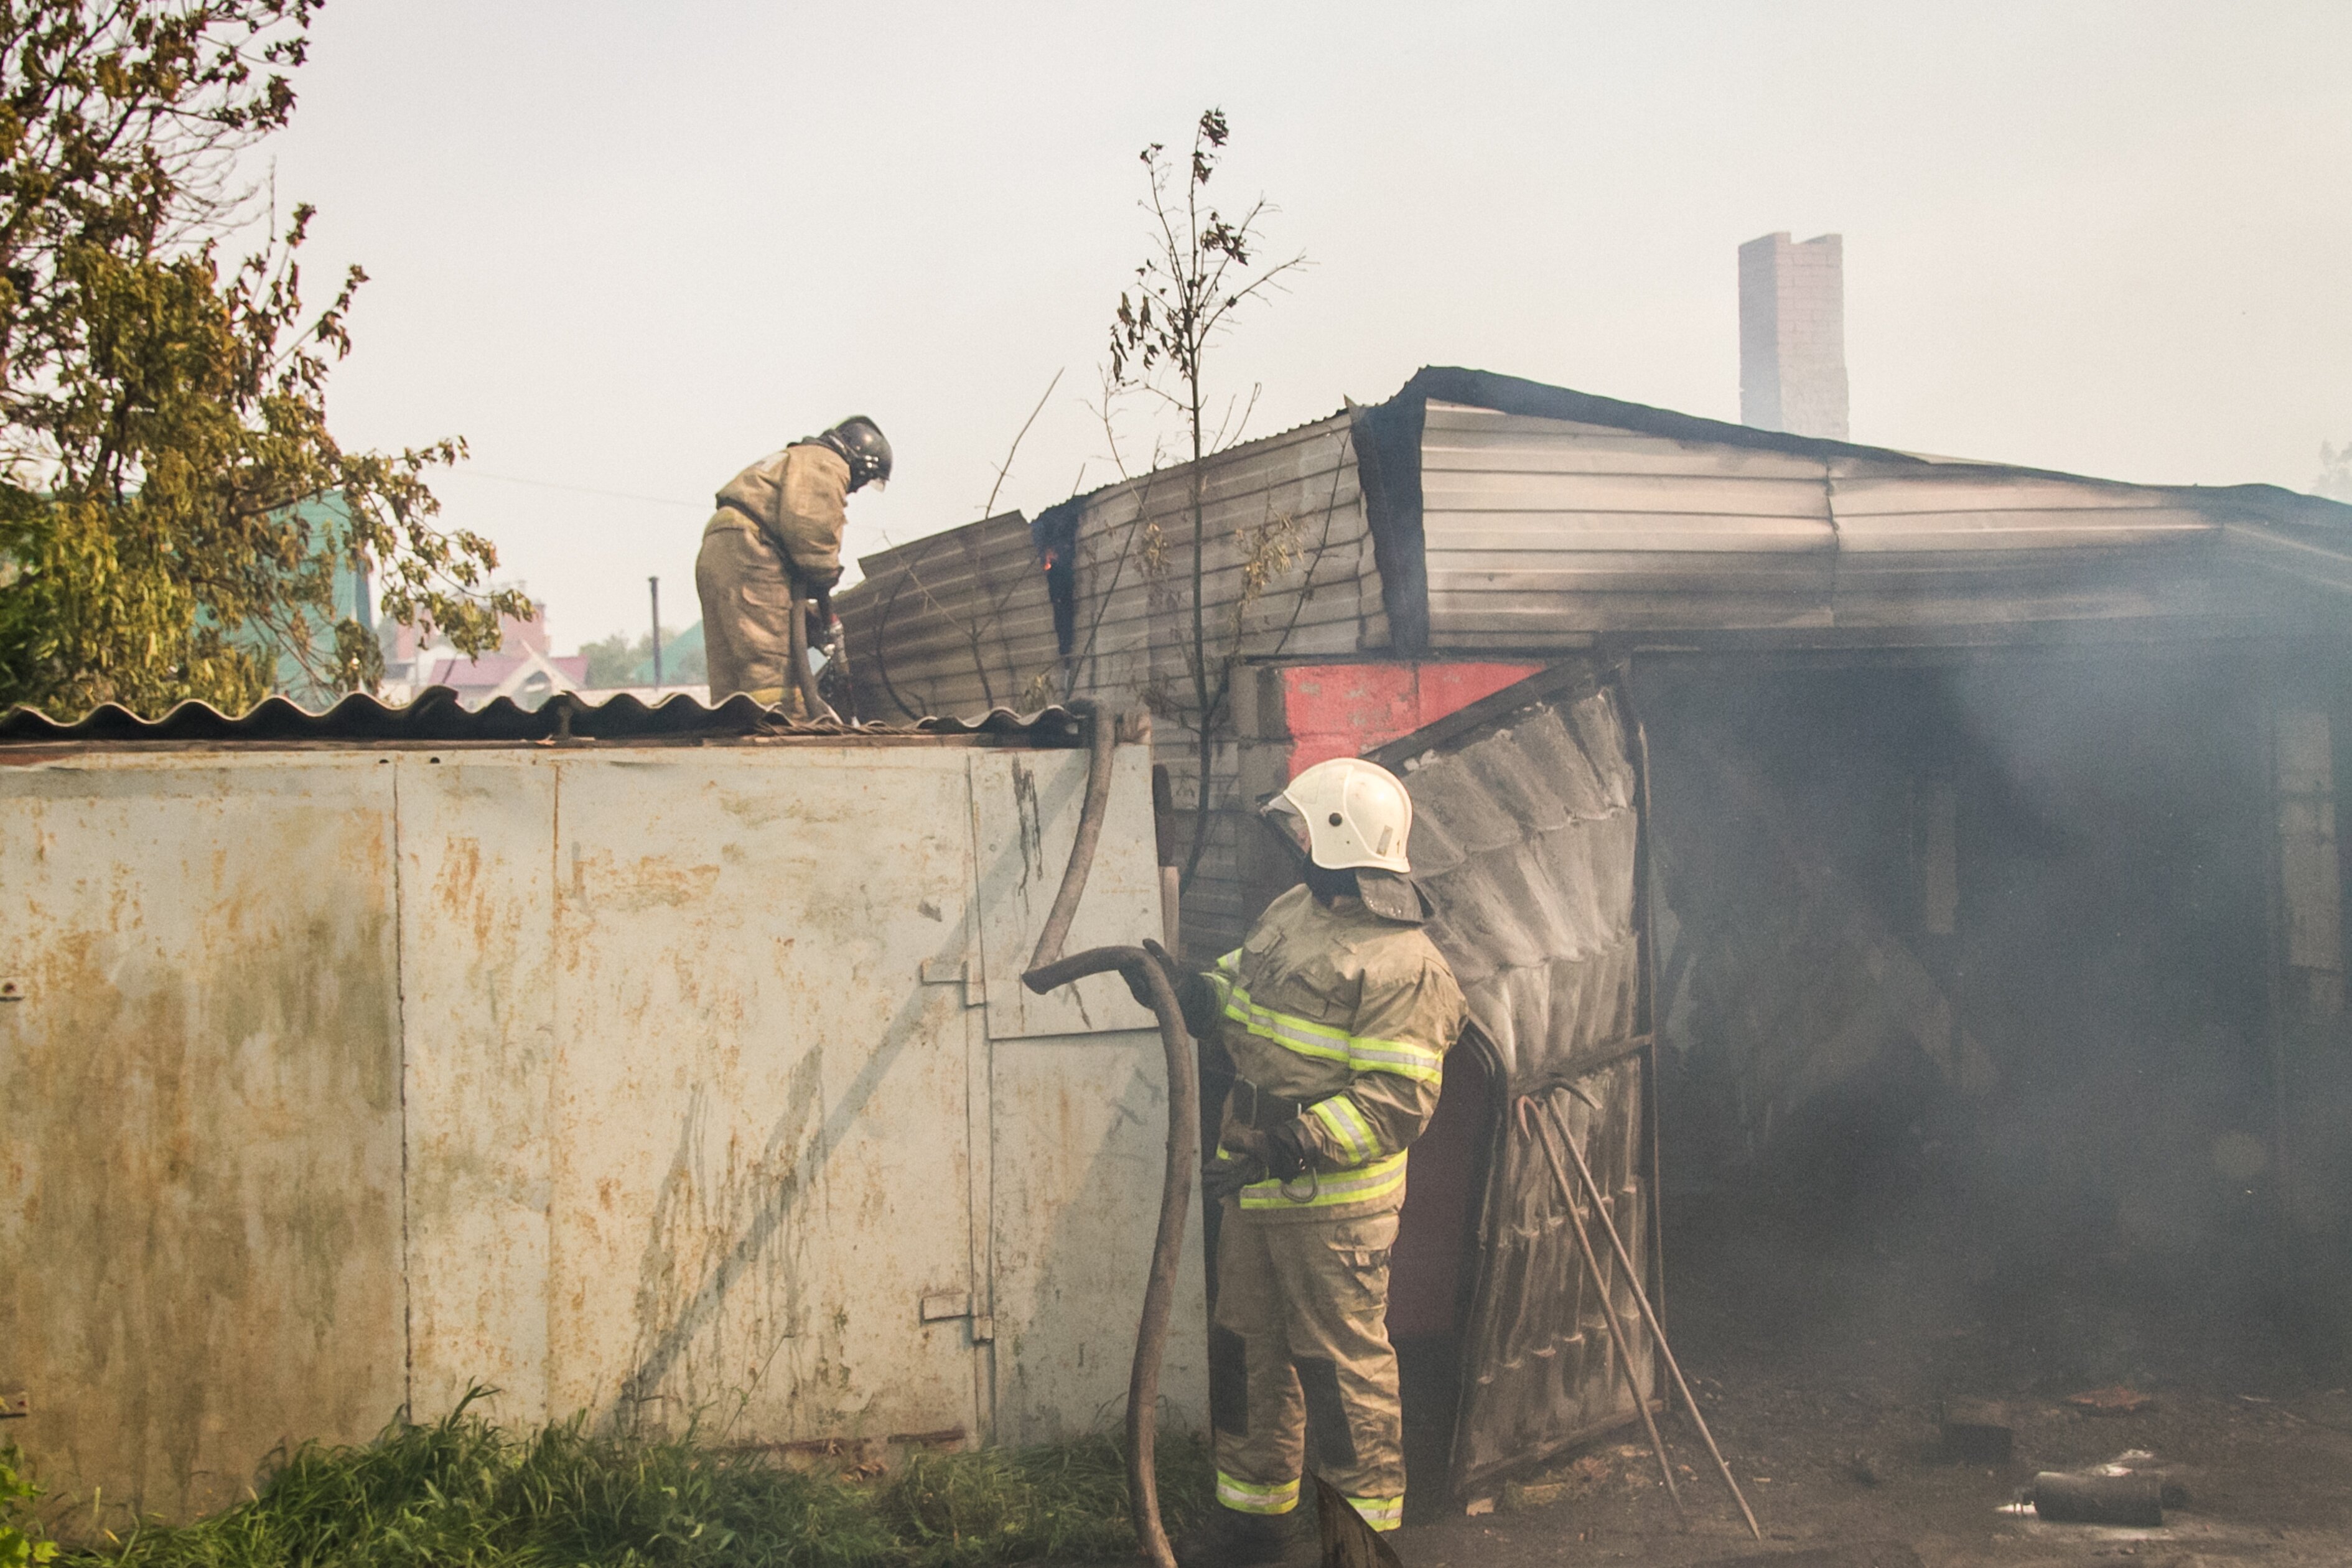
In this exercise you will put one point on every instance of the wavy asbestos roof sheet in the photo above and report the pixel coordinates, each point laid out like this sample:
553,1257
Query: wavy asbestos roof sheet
436,717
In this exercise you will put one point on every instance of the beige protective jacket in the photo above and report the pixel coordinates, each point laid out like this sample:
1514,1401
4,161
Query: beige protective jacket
799,498
1352,1010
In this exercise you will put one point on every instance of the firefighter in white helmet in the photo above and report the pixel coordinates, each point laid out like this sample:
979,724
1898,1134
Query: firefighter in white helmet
1337,1012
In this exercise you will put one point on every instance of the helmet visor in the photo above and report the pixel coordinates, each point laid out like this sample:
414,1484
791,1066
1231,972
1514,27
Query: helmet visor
1289,825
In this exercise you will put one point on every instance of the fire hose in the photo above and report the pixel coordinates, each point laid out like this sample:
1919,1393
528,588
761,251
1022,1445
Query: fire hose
1049,970
813,707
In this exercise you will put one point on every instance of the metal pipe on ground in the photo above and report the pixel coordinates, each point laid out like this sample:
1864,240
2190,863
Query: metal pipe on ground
2127,1500
1049,970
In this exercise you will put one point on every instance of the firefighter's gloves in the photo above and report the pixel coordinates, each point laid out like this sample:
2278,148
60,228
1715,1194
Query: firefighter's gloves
1284,1154
1224,1178
1138,985
1290,1150
1195,998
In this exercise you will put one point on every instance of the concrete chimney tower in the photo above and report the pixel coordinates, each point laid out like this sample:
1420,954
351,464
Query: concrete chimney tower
1792,335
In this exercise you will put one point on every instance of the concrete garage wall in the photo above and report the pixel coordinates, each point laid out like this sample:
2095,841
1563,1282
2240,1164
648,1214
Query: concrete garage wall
714,1092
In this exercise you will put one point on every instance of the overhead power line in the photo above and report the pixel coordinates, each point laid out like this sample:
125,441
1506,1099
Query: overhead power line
579,489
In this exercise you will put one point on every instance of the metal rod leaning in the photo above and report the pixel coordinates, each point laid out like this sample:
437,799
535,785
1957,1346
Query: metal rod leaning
1608,1314
1650,1318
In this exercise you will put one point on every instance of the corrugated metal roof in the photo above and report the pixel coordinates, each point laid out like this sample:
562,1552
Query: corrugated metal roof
436,717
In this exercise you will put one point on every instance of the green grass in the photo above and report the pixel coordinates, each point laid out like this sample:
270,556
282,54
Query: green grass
461,1491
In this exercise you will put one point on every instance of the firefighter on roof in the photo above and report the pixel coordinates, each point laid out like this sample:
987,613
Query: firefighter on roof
1337,1011
774,546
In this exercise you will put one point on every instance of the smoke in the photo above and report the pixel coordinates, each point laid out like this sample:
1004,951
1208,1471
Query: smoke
1968,1019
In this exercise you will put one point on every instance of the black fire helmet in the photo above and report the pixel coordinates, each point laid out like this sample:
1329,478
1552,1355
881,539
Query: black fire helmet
863,448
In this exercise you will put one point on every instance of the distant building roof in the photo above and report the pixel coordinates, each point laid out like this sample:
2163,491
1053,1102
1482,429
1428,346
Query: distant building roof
679,654
529,677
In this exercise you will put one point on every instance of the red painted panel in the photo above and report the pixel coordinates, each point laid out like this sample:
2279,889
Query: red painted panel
1341,710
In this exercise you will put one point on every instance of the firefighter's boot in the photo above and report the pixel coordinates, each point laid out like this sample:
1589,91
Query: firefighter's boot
1229,1538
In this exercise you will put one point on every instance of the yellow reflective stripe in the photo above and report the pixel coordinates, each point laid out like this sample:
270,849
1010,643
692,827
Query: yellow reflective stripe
1307,1039
1231,962
1380,1179
1324,1042
1345,1121
1245,1497
1380,1512
1402,1058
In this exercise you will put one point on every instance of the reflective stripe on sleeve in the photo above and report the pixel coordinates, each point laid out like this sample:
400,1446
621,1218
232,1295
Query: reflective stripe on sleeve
1324,1042
1344,1119
1366,1184
1248,1497
1383,1514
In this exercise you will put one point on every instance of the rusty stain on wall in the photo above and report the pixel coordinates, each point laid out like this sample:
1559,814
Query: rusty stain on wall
199,1098
686,1134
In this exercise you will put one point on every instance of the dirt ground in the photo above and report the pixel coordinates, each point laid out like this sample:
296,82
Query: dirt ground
1842,1471
1822,1370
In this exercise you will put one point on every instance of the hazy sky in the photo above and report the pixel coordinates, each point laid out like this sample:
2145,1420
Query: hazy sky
631,247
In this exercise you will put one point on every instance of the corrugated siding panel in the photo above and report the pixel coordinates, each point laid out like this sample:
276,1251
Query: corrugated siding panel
1542,533
960,621
1962,510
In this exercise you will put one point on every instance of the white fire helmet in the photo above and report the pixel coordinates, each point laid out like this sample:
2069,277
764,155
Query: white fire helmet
1354,813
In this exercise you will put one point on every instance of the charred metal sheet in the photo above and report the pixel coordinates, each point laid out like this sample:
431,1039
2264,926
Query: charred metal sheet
438,717
1526,833
962,620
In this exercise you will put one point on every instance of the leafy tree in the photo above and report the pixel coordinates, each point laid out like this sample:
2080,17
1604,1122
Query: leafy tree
616,661
611,659
1199,269
162,422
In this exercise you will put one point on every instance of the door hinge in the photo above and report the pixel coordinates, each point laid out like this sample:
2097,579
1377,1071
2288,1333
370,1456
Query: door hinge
957,972
950,1306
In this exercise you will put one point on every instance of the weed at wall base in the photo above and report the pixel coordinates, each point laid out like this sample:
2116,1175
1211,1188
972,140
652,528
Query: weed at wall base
462,1491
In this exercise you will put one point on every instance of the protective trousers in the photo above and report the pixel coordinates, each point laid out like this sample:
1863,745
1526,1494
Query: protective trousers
749,596
1299,1349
